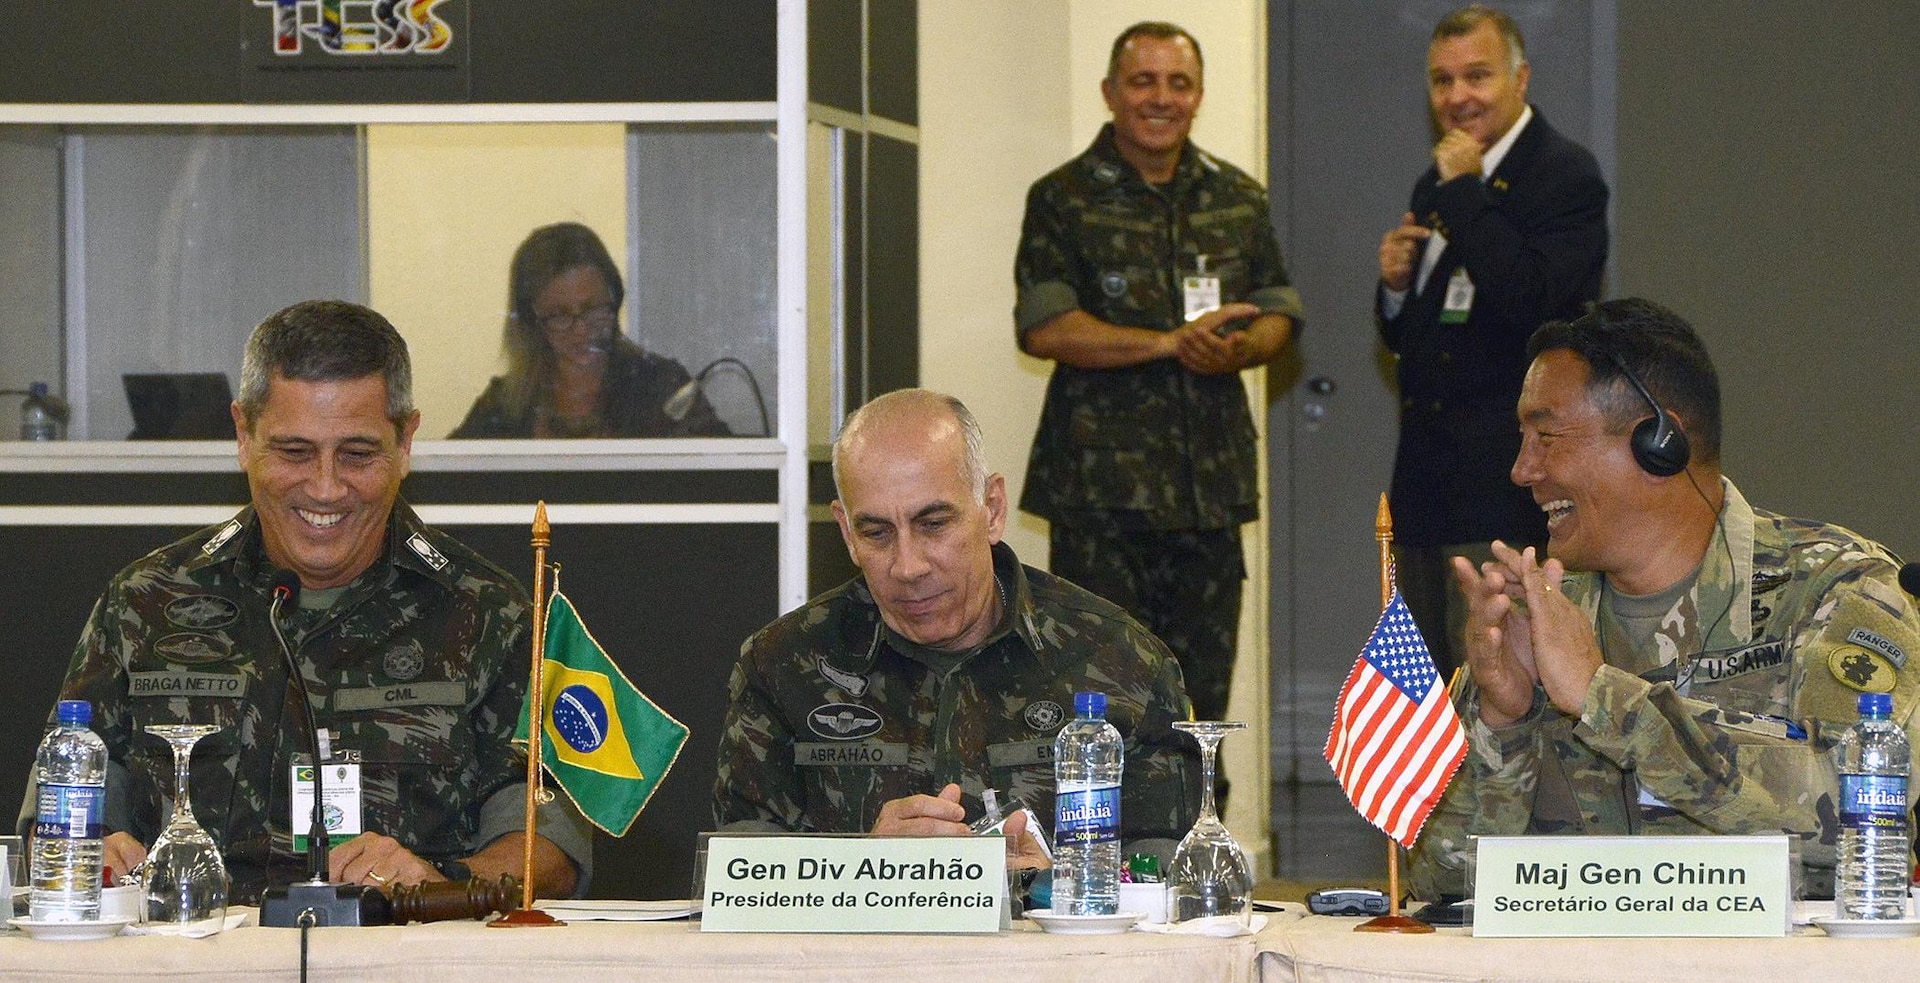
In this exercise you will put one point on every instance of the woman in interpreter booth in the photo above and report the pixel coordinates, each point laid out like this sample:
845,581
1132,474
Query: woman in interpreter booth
570,371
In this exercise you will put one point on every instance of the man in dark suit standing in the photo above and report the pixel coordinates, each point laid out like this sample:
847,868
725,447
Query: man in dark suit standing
1506,231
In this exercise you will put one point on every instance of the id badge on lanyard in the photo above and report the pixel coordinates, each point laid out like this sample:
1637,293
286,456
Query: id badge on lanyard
1459,302
340,808
1200,290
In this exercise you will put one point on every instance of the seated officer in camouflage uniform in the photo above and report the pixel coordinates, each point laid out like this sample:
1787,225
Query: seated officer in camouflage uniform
1684,663
891,702
414,647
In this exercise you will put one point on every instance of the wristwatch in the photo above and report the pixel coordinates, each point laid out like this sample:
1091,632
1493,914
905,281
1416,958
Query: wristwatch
454,870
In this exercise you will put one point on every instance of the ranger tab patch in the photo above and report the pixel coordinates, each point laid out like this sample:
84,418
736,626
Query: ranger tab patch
1879,643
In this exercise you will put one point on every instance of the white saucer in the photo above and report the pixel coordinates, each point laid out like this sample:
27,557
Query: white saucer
71,931
1868,928
1083,924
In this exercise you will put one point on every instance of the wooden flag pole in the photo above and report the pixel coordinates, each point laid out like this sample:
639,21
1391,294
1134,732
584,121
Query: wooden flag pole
527,916
1392,921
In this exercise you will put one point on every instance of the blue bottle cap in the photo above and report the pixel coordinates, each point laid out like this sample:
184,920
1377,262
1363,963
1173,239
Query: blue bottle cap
1090,704
74,712
1876,705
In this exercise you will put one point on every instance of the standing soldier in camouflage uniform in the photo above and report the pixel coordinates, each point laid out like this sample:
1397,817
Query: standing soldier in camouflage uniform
414,647
947,663
1148,270
1696,672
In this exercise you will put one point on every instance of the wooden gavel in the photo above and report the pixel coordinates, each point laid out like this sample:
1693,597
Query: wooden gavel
444,901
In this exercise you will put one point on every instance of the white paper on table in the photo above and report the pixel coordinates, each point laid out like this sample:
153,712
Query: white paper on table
1218,926
617,911
232,921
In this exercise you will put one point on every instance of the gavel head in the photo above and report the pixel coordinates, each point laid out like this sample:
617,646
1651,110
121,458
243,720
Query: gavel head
442,901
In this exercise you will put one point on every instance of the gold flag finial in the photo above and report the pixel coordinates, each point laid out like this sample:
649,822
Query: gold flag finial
526,914
1392,921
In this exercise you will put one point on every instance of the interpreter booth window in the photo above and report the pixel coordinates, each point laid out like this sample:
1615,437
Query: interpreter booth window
552,279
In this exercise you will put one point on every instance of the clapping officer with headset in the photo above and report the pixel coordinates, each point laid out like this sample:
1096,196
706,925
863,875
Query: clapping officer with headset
1678,662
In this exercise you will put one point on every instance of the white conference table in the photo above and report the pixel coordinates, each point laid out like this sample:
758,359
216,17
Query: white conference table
1322,949
658,952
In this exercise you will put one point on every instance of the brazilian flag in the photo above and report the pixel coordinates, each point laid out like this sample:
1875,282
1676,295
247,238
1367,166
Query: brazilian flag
605,743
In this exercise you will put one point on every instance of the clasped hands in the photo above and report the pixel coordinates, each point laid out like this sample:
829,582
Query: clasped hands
1209,345
1523,634
943,815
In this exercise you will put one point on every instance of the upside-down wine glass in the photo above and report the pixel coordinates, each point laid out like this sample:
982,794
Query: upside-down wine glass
1211,876
186,881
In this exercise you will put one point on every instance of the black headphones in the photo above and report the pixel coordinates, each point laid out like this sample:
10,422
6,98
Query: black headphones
1659,446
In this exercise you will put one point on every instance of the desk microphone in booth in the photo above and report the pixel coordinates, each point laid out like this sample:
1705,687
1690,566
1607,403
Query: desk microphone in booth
315,901
681,401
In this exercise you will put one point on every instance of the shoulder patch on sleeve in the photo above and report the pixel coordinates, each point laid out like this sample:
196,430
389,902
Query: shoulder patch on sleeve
1858,669
1855,647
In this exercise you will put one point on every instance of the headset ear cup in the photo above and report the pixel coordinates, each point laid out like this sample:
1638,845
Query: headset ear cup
1660,446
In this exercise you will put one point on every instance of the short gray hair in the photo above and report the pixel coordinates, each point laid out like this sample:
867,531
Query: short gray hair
1468,19
974,467
326,341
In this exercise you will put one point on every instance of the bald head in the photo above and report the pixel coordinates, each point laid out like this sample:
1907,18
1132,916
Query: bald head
917,417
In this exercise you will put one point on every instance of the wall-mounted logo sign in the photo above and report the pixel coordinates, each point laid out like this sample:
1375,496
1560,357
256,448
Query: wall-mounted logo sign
358,27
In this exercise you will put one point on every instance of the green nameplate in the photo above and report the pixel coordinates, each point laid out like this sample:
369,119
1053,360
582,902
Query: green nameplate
1703,886
797,883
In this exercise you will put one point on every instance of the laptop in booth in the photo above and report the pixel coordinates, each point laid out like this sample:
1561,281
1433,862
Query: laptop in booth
179,405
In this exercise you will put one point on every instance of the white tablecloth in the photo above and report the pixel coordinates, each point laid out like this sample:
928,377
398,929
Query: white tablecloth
1321,949
658,952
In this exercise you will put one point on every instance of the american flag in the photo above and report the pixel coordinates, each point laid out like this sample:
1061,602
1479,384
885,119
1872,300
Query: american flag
1396,740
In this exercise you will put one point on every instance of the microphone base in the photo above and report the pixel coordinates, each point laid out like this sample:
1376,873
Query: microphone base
330,904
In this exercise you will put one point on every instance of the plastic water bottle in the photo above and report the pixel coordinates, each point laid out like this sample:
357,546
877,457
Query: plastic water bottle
36,421
1087,759
72,773
1874,866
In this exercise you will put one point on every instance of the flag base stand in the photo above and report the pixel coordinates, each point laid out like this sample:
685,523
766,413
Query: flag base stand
535,918
1394,924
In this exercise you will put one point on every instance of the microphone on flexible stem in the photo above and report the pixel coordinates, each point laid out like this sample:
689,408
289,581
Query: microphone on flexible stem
1910,579
678,404
315,901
